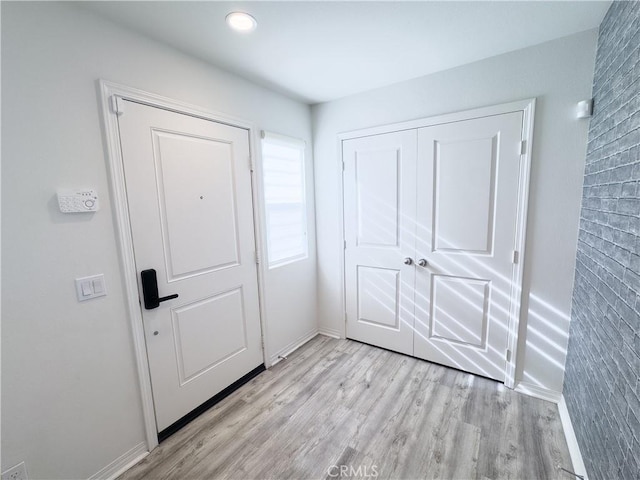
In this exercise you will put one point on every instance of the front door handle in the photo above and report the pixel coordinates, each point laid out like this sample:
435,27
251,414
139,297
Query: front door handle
150,290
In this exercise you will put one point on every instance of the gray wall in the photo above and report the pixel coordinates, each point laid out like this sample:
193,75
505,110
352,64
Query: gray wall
601,383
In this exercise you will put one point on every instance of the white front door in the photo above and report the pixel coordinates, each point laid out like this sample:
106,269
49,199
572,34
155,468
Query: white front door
380,208
444,200
190,203
467,187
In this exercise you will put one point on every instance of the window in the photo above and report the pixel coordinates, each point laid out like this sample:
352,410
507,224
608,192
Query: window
284,197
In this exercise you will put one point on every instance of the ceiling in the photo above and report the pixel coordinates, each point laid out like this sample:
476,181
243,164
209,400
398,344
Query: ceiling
320,51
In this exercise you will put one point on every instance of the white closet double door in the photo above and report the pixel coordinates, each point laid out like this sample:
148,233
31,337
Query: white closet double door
430,230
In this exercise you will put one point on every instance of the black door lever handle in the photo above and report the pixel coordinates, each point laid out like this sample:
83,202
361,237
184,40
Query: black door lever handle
150,290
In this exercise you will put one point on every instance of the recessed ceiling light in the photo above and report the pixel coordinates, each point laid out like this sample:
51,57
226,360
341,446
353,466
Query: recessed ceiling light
241,22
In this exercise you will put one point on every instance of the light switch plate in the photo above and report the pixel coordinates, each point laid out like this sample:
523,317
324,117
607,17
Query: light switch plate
90,287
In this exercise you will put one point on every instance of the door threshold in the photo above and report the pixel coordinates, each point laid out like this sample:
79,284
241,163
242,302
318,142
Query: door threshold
428,361
196,412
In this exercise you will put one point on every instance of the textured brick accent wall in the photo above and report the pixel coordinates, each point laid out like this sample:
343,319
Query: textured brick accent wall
601,387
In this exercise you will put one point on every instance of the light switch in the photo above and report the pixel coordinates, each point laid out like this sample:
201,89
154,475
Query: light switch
90,287
86,288
98,285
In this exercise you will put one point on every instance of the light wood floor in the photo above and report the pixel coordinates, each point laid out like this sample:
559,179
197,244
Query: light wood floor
378,414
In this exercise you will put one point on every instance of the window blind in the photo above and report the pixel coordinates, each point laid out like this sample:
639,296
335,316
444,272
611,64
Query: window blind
283,177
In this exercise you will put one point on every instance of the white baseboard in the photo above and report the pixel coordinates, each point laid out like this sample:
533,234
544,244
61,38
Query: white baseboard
293,346
572,441
330,332
538,392
122,463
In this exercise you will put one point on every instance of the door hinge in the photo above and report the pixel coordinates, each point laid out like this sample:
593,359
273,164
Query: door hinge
117,105
343,165
345,244
515,257
508,355
251,163
523,147
257,257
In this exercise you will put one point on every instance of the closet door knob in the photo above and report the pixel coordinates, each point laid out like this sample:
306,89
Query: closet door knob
408,261
422,262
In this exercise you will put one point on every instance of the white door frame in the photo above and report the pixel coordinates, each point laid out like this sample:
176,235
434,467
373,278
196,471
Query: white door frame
527,107
110,93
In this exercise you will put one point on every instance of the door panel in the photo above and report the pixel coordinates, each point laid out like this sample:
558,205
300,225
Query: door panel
379,173
196,327
466,220
376,184
190,203
464,184
197,194
454,298
379,296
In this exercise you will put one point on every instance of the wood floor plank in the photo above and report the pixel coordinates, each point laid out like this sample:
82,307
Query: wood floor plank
341,404
455,452
426,417
380,433
295,432
259,424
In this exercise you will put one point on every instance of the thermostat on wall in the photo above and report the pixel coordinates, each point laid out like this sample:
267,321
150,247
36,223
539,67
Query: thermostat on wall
78,201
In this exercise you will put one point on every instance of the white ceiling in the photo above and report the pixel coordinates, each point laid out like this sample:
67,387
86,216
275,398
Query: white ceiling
320,51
